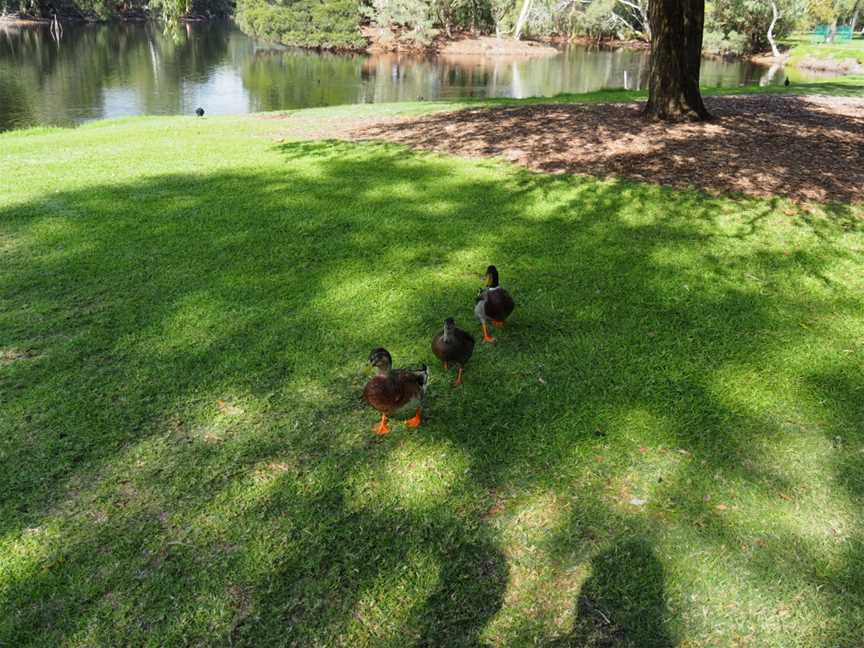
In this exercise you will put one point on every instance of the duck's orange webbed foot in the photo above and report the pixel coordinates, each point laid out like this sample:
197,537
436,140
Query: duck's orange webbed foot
458,380
499,324
446,367
486,336
381,428
415,421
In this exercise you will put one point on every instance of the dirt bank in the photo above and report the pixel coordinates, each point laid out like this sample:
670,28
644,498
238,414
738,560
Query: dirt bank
389,40
840,66
491,46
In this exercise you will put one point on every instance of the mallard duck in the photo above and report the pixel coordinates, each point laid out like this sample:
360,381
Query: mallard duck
453,346
493,303
395,392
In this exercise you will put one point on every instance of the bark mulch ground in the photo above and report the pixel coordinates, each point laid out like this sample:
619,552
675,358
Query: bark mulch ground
808,148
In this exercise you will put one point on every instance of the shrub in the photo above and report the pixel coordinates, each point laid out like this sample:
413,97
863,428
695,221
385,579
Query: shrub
305,23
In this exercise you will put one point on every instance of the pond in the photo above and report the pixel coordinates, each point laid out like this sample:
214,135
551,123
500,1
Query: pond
98,71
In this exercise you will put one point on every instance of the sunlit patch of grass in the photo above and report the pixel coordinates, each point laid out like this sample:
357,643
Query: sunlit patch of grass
383,613
541,588
417,476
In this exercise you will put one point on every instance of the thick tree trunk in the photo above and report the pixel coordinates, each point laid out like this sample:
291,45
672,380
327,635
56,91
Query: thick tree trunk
775,16
522,20
855,18
676,54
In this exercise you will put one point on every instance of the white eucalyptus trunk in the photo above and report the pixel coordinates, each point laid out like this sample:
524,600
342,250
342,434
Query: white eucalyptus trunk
775,16
522,20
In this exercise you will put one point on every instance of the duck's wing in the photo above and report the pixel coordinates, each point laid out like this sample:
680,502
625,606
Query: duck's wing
408,385
440,347
499,304
464,337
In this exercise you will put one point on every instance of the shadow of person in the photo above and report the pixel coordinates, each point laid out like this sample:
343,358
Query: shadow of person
622,603
470,593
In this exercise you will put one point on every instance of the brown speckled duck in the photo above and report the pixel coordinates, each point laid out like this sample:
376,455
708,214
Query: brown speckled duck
395,392
453,346
493,303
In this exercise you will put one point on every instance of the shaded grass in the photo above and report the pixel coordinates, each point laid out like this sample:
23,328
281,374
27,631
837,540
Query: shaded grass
665,448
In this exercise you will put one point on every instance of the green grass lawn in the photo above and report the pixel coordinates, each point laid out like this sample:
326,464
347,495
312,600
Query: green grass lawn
665,447
802,46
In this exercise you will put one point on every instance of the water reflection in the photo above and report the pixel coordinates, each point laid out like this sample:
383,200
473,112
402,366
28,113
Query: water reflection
98,71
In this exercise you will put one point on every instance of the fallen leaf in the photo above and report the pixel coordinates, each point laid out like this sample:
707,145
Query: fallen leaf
229,409
495,509
721,507
638,502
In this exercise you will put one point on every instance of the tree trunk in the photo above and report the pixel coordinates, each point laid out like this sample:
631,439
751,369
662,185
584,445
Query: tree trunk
775,16
855,18
646,22
676,54
522,20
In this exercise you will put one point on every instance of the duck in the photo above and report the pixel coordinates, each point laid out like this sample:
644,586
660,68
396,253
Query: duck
395,392
453,346
493,303
199,111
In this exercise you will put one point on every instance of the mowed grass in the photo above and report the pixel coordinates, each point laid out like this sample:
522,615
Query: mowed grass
803,46
664,447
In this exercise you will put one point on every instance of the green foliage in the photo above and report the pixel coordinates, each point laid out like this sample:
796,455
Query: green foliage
718,42
108,9
503,14
597,19
307,23
731,26
414,19
741,26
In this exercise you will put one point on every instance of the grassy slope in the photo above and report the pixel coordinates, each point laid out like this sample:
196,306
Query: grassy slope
185,311
802,47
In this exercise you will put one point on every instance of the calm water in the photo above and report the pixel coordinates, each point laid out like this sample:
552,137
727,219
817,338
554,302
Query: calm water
99,71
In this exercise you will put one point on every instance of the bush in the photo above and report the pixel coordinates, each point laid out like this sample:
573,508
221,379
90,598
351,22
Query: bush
716,42
414,17
305,23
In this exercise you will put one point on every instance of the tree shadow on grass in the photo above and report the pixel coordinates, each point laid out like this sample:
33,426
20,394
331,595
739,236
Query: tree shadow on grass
160,512
805,148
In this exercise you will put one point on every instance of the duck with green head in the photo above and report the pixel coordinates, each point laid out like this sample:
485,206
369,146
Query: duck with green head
395,392
494,304
453,346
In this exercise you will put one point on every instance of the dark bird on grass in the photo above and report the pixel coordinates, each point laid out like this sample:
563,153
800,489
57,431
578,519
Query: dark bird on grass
787,82
199,112
453,346
395,392
493,303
